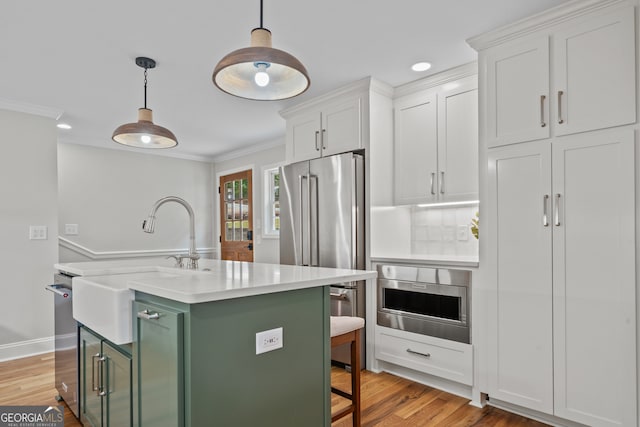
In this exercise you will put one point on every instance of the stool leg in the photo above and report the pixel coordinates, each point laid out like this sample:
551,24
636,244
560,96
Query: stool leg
355,378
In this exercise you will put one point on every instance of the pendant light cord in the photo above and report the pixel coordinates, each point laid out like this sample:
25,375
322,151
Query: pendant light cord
261,14
145,87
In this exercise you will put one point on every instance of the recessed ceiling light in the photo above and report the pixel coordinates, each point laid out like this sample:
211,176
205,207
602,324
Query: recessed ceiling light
421,66
63,126
450,86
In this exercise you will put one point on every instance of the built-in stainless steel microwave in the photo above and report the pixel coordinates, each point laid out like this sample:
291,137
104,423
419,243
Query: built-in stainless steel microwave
428,301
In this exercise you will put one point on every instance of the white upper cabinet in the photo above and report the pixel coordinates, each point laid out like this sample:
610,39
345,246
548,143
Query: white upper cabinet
303,139
458,143
436,144
592,72
416,152
330,126
518,92
341,127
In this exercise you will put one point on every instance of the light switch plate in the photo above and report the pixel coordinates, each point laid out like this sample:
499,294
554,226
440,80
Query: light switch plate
268,340
37,232
71,229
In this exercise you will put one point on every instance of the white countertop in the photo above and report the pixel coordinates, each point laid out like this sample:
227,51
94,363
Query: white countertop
443,260
103,291
215,280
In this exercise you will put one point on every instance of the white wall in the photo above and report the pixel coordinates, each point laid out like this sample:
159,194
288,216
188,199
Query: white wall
108,193
265,249
28,193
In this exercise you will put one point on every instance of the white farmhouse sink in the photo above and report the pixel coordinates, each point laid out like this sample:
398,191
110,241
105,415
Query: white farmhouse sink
103,303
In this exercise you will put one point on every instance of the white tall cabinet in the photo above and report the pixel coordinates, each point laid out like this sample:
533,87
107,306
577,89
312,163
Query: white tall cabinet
558,192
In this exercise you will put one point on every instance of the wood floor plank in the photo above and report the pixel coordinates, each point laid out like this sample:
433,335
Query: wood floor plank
387,400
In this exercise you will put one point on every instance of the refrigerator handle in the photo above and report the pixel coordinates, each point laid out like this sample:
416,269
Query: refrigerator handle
314,240
302,222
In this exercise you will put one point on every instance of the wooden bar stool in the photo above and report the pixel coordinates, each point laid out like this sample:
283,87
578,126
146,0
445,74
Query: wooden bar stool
346,329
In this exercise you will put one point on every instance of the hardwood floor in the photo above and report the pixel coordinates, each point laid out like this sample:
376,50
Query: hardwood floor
30,381
386,399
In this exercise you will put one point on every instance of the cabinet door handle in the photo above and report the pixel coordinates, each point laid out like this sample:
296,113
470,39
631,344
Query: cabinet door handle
433,177
545,202
101,388
317,134
93,373
557,210
324,138
542,98
148,315
441,182
560,93
427,355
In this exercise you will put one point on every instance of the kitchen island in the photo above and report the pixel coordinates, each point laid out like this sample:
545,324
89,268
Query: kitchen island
195,342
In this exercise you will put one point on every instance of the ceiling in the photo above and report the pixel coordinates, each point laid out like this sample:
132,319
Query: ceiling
77,56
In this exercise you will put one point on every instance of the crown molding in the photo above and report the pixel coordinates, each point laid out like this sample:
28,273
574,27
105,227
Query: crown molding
543,20
352,89
113,146
452,74
245,151
37,110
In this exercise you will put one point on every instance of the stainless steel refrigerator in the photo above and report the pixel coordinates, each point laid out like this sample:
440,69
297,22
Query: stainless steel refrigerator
322,225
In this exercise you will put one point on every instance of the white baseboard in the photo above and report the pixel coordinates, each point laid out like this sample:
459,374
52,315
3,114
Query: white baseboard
534,415
18,350
458,389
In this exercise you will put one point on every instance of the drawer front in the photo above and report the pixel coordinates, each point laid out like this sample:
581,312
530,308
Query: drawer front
445,359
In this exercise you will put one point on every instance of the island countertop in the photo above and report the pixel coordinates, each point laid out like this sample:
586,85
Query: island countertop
214,280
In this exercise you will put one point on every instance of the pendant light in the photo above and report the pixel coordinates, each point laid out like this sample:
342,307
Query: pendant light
261,72
144,133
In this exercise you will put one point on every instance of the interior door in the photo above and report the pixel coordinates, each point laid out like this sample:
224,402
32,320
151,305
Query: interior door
236,217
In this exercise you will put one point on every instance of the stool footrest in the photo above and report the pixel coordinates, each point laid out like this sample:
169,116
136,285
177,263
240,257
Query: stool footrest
341,393
342,413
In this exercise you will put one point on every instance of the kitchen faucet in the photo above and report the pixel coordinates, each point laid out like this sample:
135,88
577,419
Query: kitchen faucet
148,226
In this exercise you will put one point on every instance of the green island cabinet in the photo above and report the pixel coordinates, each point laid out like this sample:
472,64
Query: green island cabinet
196,364
105,381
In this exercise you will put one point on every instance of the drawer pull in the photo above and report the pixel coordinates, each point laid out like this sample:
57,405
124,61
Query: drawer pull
148,315
427,355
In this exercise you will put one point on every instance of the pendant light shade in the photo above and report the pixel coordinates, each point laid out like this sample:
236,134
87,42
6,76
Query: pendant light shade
144,133
261,72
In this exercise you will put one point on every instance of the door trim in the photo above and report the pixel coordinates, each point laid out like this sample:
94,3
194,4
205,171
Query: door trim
216,211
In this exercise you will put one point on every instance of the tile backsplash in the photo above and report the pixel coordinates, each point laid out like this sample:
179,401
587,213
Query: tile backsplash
416,231
443,230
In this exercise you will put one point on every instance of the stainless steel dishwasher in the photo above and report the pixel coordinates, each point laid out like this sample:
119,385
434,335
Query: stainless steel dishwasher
66,342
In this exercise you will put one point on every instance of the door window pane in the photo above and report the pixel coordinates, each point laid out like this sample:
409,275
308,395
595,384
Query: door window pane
228,236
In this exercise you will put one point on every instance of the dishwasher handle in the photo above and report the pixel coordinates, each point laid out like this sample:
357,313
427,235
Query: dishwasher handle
59,290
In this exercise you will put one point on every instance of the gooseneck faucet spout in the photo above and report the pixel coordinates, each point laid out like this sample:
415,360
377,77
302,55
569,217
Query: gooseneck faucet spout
148,225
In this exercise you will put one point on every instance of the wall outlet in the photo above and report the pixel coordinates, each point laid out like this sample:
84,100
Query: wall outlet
269,340
38,232
71,229
463,233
